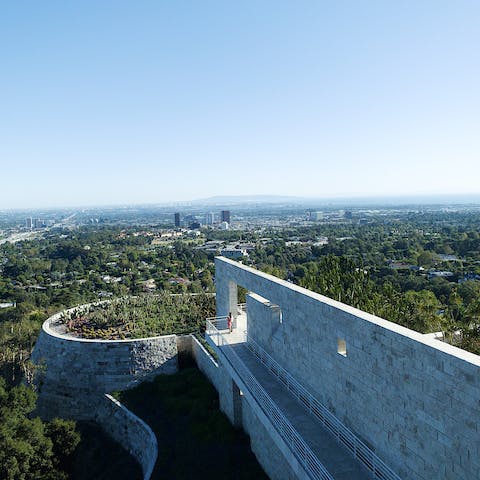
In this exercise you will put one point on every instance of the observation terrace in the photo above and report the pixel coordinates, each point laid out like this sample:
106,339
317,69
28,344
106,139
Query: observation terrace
323,447
344,394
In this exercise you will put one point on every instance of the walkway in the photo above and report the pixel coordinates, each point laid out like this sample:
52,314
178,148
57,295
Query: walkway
339,463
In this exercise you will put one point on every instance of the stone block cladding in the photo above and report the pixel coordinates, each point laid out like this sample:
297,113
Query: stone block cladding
216,374
128,430
270,457
75,375
268,454
75,372
414,400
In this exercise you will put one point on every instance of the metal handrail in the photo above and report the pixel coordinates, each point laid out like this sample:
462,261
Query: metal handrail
221,322
299,448
356,447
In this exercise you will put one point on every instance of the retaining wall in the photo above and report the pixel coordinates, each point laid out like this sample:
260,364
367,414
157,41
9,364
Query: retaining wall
262,439
75,372
270,457
218,377
128,430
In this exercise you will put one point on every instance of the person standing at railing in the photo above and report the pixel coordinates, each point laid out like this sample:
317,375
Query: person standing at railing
229,322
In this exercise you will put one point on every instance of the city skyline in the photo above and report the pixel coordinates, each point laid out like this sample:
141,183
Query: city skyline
126,103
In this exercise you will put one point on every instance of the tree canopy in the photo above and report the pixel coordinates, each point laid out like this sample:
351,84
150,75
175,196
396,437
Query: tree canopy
29,448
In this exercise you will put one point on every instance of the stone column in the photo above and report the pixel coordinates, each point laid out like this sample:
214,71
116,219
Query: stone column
226,292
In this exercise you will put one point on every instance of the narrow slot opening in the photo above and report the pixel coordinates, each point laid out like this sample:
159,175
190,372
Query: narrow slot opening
342,347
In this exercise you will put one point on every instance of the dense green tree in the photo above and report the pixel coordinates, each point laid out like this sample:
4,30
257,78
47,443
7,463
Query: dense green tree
425,259
27,445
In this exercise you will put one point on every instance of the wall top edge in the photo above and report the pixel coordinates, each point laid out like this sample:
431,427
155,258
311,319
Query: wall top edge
204,350
360,314
120,405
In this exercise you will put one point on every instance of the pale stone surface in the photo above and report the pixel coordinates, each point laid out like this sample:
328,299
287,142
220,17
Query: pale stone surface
414,400
268,454
262,438
74,371
77,373
217,375
128,430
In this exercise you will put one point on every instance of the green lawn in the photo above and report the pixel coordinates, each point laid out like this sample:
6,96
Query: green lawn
195,439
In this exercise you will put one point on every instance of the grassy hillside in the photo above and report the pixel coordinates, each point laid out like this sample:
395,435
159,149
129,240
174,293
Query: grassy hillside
195,439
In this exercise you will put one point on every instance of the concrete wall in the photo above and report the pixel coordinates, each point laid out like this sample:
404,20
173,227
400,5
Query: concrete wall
128,430
218,377
265,449
263,439
75,372
414,400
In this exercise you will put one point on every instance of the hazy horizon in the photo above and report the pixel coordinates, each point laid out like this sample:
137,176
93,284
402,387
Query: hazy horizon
118,103
260,199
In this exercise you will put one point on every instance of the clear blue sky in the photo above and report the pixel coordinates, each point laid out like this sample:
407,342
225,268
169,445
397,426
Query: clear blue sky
105,102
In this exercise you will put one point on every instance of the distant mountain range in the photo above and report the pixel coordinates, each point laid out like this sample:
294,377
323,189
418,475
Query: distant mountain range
357,201
233,199
279,201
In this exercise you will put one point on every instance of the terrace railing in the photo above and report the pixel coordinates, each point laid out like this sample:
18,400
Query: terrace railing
218,323
357,448
297,445
221,322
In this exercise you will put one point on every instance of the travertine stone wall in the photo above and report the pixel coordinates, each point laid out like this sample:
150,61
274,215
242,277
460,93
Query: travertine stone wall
263,440
217,375
265,449
75,372
128,430
414,400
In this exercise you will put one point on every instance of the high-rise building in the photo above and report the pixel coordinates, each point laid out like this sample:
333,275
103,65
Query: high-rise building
209,218
177,219
225,216
29,223
194,225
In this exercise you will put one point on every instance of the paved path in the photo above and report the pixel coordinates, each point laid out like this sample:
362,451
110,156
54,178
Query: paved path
336,459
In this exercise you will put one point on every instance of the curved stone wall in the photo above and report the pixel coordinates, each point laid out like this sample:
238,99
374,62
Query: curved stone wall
75,372
130,431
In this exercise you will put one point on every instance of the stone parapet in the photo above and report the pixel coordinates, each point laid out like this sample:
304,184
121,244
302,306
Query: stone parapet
74,372
130,431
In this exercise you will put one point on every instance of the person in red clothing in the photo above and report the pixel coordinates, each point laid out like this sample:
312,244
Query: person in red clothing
229,322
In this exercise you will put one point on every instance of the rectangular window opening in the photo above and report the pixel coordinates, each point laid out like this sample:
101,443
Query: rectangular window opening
342,347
